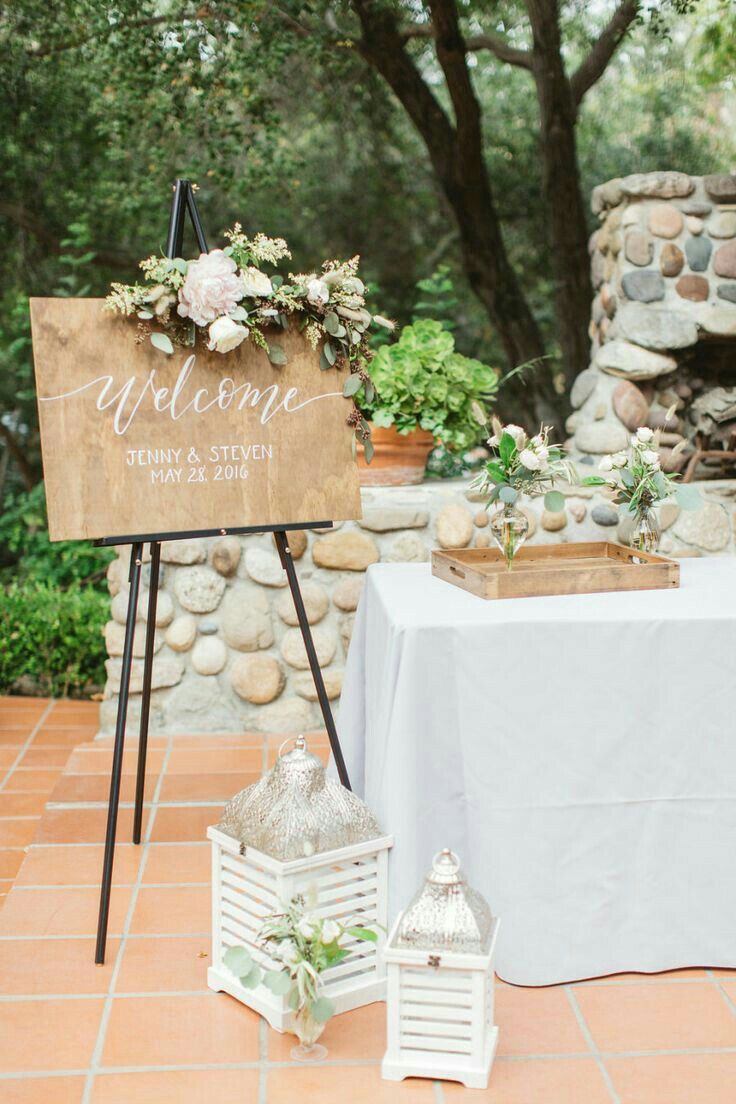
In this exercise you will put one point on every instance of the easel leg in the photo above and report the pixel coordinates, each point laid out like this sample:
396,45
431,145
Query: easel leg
140,783
136,557
287,562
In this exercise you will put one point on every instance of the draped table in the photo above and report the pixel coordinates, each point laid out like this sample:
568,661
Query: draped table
578,752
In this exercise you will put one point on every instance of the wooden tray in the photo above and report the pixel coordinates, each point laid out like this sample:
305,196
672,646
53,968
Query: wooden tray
555,569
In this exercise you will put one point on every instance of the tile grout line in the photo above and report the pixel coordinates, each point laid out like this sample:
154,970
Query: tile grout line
437,1091
25,746
262,1061
722,993
588,1036
98,1050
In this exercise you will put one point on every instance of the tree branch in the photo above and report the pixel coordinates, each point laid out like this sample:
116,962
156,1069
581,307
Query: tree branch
594,65
497,44
37,227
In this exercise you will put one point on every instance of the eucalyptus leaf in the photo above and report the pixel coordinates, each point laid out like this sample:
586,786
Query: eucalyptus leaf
688,497
239,960
332,323
368,450
322,1009
145,314
278,981
276,355
508,494
554,501
252,979
351,386
363,933
162,342
324,362
370,391
277,281
238,314
293,998
330,354
180,265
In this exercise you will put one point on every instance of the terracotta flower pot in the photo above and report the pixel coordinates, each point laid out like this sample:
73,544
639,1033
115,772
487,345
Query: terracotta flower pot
398,458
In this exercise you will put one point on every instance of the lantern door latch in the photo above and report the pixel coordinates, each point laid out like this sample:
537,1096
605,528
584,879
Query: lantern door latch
434,961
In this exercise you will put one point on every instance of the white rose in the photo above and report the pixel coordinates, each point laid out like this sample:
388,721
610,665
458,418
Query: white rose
606,464
212,287
330,931
644,434
515,431
651,457
318,292
225,334
256,283
307,927
288,951
620,460
530,460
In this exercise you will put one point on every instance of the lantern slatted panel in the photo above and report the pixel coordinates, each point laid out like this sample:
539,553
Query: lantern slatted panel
349,885
439,1018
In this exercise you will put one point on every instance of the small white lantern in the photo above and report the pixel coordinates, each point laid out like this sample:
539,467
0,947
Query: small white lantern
439,959
298,832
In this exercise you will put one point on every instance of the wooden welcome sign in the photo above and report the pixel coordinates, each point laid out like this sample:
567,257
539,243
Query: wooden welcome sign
135,441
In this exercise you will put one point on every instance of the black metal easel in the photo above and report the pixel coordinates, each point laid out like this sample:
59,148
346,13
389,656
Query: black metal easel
183,203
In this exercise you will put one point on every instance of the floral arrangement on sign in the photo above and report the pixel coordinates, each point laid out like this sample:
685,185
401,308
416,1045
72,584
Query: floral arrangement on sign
636,478
305,945
227,294
519,465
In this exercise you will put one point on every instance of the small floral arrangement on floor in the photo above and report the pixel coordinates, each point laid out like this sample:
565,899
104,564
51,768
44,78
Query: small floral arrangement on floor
521,464
635,476
304,945
227,294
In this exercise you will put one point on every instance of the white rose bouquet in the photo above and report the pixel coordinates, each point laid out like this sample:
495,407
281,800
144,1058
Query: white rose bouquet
636,478
521,464
303,945
226,294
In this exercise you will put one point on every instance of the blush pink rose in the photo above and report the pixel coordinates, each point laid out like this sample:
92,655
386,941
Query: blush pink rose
211,288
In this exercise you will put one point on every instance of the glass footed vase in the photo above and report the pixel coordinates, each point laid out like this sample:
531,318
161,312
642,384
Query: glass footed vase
645,532
307,1031
509,528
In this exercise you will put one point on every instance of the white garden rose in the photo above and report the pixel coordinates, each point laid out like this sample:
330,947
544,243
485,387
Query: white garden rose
644,434
288,951
256,283
530,460
330,931
212,287
515,431
308,926
225,334
318,292
606,464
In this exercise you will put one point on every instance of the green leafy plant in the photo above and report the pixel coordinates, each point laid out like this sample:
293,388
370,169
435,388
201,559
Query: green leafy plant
438,299
521,464
51,639
304,945
636,478
422,382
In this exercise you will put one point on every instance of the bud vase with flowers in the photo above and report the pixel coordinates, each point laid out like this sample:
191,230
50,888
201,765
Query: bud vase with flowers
302,945
637,481
520,464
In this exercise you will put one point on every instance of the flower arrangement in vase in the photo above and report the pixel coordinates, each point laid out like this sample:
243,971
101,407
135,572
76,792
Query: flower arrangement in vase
303,945
520,464
637,481
226,295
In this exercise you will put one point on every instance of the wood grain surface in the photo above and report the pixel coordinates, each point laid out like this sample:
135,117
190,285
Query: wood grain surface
584,568
135,441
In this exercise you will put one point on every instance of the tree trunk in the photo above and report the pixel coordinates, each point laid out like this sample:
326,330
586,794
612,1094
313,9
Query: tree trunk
561,180
457,158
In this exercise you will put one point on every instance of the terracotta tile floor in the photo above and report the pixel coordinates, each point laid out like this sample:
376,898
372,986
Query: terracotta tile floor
144,1028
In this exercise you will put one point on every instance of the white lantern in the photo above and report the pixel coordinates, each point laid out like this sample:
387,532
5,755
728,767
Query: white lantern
439,960
296,832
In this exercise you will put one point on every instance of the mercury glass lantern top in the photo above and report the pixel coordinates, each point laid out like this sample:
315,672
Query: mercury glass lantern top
296,811
446,914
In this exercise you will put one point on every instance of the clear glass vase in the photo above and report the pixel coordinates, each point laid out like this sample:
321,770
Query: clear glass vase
509,528
308,1031
645,532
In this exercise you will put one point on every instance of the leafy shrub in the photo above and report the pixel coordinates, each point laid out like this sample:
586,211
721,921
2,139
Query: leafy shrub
28,554
51,639
421,381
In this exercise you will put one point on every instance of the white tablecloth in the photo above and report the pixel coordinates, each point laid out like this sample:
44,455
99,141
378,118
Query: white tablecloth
579,753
